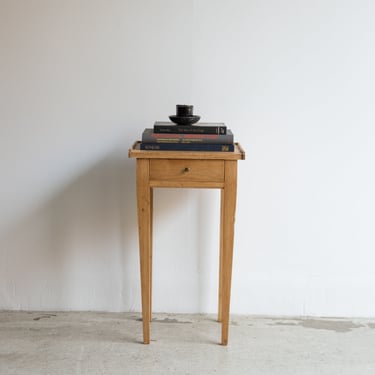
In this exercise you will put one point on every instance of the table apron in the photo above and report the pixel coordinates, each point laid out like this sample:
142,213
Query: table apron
186,184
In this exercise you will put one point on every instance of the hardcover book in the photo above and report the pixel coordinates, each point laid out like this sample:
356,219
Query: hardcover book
149,136
187,147
200,128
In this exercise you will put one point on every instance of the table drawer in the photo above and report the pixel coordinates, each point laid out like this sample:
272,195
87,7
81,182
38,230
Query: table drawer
187,170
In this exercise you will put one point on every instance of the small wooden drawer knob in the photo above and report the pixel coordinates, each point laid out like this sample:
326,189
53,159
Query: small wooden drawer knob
186,170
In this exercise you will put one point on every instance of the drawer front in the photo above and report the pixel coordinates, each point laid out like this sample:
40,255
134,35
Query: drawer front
187,170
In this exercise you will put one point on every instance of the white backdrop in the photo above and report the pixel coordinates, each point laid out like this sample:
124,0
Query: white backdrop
295,82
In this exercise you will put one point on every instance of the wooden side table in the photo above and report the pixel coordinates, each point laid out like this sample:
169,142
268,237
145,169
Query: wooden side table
186,169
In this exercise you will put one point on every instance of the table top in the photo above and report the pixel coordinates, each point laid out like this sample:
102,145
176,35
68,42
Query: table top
136,152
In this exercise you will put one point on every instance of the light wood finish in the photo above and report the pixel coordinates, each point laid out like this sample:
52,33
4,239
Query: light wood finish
144,200
227,239
187,184
220,315
136,152
185,169
151,237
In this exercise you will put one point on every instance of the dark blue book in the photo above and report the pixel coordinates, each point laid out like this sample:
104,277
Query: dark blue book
200,128
149,136
187,147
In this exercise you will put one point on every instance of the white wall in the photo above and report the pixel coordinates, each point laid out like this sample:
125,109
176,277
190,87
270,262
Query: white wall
295,82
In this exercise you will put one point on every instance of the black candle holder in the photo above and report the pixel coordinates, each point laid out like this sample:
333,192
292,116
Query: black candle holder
184,115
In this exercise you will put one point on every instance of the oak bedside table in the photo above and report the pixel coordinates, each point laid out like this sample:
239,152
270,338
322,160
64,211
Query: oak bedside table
186,169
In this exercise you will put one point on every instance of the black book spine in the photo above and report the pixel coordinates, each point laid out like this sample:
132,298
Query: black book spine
187,147
192,129
149,136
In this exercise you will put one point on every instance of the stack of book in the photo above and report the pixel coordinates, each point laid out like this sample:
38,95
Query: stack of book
167,136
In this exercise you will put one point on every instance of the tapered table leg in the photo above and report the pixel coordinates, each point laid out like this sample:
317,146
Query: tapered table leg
219,315
151,249
144,205
228,211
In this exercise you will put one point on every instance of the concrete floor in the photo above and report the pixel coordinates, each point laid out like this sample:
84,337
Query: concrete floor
109,343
